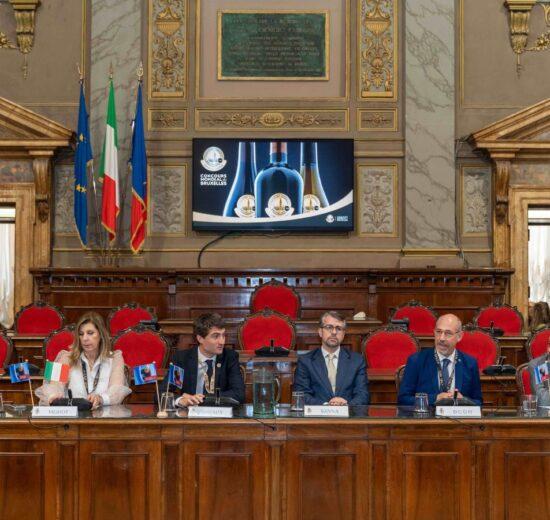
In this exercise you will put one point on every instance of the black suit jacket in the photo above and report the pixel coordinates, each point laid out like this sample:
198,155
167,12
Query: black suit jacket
228,374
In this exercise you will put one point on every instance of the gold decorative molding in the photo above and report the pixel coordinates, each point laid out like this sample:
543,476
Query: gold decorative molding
294,120
377,120
378,200
167,120
167,72
377,49
5,43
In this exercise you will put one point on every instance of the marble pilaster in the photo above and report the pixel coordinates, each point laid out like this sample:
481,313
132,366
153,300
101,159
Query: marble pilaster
430,124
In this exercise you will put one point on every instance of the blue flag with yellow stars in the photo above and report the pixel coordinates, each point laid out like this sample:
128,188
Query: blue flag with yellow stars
83,157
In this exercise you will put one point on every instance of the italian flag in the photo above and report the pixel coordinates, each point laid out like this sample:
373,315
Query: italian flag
56,372
108,170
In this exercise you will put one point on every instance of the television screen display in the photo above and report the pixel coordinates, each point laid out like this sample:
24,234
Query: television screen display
273,185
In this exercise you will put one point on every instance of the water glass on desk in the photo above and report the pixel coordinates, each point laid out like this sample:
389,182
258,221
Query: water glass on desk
421,403
529,405
167,402
298,401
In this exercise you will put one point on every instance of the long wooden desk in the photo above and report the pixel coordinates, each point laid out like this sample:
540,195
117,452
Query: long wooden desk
125,464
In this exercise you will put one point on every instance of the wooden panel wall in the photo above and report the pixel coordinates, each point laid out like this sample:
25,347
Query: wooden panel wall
186,294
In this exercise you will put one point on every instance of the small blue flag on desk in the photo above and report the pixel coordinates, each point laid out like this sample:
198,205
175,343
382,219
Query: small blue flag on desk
19,372
175,376
542,373
144,374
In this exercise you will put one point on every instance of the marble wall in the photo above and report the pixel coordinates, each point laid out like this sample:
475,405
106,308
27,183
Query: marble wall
115,40
430,117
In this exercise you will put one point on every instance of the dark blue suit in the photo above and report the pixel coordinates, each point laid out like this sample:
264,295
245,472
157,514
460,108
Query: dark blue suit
311,377
421,376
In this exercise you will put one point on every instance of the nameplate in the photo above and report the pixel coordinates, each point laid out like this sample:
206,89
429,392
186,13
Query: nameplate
458,411
326,411
213,412
55,411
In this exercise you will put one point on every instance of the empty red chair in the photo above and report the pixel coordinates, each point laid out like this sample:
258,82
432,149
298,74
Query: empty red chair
537,345
421,318
480,345
38,318
523,381
141,345
502,316
276,296
258,330
6,349
128,315
57,341
388,347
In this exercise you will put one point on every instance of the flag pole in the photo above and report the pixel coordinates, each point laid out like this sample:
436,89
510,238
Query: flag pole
30,386
167,388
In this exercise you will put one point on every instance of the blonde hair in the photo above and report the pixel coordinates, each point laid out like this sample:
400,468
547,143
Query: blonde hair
104,340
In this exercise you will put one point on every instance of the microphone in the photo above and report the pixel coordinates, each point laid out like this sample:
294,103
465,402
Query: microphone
217,392
70,394
455,398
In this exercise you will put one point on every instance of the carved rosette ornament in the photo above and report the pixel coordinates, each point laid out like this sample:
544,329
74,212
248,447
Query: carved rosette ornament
377,48
167,48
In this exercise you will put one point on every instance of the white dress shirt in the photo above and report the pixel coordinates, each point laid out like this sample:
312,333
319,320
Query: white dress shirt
336,355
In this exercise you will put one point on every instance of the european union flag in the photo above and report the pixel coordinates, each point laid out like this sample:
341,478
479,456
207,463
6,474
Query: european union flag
175,376
144,374
84,156
19,372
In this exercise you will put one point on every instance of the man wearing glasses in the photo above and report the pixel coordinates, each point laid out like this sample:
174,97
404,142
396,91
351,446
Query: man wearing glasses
332,374
440,371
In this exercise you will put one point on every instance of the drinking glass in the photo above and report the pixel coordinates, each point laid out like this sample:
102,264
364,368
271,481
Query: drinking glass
298,401
421,403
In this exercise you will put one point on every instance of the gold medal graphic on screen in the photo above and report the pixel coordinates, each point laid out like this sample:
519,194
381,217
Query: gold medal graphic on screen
246,206
279,205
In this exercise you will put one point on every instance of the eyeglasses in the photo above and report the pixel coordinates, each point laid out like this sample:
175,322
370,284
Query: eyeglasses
332,328
447,334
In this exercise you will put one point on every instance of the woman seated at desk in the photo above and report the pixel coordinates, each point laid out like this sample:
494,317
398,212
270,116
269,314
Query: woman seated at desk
96,373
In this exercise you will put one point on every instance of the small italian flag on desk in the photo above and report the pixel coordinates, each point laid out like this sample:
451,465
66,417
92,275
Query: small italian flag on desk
56,372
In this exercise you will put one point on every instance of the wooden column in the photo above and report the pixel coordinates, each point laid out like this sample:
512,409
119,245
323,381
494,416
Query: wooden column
501,224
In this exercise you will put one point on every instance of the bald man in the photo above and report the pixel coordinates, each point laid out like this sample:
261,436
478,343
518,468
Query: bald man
440,370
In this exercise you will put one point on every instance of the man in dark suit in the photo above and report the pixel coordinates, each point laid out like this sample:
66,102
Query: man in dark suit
209,365
440,371
331,374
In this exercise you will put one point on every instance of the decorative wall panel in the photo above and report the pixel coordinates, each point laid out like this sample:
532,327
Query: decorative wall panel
269,121
378,200
377,49
64,200
16,171
167,120
476,200
167,199
167,48
377,120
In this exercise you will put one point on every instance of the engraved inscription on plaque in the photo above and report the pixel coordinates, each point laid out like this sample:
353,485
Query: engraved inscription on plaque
273,45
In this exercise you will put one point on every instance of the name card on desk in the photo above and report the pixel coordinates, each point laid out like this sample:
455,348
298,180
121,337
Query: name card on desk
458,411
212,412
55,411
326,411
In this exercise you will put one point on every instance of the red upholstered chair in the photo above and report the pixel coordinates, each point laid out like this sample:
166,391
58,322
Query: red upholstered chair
57,341
276,296
6,349
38,318
421,318
523,381
128,315
257,330
141,345
537,345
480,345
388,347
503,316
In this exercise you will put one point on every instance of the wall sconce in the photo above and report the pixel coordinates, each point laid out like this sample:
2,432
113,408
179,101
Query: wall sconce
520,14
24,13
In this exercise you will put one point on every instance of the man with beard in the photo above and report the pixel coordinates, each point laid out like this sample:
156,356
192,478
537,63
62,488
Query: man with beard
440,371
332,374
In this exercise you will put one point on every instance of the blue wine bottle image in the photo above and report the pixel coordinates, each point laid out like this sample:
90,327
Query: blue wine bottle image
241,201
314,194
279,189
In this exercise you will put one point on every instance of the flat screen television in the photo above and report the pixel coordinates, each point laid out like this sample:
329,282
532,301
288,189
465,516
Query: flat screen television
278,184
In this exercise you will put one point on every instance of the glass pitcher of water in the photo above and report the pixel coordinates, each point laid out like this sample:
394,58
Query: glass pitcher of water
266,392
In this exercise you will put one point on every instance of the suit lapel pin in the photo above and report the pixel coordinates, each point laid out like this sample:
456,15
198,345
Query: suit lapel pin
218,365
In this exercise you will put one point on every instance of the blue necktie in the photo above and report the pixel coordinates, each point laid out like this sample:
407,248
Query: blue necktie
445,374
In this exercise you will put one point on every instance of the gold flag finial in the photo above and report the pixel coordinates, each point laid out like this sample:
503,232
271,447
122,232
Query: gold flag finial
111,70
80,73
140,71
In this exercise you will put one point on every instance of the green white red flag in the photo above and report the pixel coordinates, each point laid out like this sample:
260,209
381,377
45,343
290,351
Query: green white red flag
108,170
